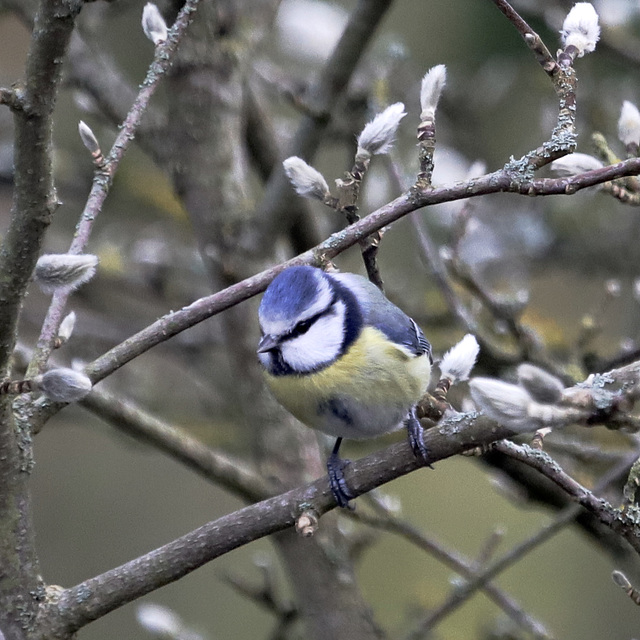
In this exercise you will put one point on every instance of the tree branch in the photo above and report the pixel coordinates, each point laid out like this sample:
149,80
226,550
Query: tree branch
103,179
457,563
222,469
34,201
92,599
531,38
500,181
464,592
34,196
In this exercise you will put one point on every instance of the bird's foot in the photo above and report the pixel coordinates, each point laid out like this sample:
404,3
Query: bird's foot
416,437
339,488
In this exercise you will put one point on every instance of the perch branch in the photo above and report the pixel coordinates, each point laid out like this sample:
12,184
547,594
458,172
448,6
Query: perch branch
203,308
90,600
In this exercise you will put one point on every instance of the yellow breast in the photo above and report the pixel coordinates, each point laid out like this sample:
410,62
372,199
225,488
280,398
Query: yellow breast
364,393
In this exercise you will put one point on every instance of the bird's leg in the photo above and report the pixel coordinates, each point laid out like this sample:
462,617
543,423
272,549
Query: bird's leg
335,466
416,436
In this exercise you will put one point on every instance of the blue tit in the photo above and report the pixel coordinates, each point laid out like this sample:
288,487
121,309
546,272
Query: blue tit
342,359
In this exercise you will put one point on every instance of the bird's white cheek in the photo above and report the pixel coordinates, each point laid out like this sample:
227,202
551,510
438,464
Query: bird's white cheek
318,346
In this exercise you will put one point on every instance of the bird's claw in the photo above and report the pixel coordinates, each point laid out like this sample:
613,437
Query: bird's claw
339,488
416,438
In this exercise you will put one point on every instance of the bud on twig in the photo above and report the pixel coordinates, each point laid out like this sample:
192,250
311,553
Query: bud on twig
63,385
64,271
158,620
513,407
432,85
90,141
623,582
542,386
505,403
307,523
66,329
575,163
537,442
629,125
307,181
378,136
620,579
581,29
153,24
457,363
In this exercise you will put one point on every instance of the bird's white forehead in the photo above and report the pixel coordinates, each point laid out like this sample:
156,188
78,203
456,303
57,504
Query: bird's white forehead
296,306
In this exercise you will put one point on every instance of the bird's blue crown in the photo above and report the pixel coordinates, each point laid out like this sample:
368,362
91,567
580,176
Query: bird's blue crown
291,293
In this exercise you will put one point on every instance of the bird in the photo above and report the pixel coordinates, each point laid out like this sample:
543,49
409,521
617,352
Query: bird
343,359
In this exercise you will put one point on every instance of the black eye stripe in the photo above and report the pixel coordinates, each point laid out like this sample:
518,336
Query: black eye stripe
304,325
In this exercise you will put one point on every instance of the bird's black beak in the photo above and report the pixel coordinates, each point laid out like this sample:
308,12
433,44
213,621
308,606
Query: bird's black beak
267,343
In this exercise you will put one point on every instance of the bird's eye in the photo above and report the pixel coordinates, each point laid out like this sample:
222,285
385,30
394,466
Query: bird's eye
303,326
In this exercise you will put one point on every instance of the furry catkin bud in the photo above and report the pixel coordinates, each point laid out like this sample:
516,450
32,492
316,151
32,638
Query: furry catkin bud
620,579
66,327
575,163
580,28
88,138
153,24
307,181
505,403
158,620
64,271
457,363
542,386
63,385
629,124
378,136
432,85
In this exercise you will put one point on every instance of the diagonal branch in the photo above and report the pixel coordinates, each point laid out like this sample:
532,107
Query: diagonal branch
175,322
463,593
531,38
226,471
457,563
77,606
103,179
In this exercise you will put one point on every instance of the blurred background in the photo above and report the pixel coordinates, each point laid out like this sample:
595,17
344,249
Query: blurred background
570,264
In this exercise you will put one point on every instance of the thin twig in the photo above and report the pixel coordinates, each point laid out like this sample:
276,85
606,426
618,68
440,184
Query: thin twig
94,72
347,204
532,39
430,253
456,562
175,322
561,520
103,180
322,98
220,468
542,462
